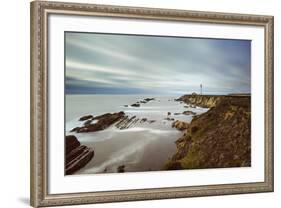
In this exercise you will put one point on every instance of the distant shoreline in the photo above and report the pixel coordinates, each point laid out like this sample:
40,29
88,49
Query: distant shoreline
160,94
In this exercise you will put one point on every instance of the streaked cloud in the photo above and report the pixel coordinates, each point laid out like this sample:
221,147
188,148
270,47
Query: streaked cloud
143,64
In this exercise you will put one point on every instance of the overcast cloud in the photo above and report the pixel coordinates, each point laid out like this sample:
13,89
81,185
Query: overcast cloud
127,64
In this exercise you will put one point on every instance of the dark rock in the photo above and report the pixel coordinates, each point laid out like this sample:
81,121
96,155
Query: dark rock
169,119
126,106
177,114
121,169
143,120
149,99
79,162
169,113
135,105
88,122
84,118
71,143
76,155
127,122
75,129
188,113
103,122
146,100
180,125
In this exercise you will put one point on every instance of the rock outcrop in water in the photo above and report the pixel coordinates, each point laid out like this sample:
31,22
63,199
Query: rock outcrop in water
148,99
76,155
180,125
87,117
128,122
189,113
137,104
218,138
99,123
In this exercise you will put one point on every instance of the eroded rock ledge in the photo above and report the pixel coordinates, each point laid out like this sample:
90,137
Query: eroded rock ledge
98,123
119,120
76,155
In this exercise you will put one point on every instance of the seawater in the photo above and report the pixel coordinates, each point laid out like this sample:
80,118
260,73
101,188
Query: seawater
144,147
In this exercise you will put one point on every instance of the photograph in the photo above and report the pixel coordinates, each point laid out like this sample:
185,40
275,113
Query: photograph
138,103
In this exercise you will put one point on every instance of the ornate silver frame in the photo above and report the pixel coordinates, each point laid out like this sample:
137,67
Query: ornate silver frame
39,103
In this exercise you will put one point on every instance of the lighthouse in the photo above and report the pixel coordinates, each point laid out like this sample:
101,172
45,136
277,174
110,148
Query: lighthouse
200,89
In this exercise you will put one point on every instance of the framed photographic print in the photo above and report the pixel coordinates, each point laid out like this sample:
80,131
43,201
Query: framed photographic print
144,103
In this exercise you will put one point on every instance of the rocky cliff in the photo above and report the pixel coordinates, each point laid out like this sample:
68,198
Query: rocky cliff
218,138
204,101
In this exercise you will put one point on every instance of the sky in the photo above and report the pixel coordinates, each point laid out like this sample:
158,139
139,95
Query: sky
135,64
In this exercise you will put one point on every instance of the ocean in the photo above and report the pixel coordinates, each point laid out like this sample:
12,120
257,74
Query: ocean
142,147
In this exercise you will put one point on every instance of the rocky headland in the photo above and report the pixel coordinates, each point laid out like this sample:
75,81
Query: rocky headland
219,138
208,101
205,101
